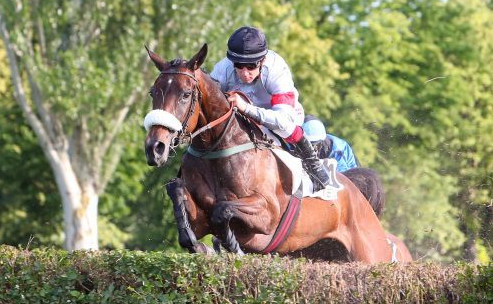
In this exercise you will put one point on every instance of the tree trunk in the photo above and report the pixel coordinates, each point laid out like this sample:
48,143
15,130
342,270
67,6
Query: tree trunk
80,206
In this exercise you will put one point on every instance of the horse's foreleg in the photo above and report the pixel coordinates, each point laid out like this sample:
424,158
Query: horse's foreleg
254,215
181,198
221,216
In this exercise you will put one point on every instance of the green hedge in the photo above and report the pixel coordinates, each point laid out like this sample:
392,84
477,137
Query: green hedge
56,276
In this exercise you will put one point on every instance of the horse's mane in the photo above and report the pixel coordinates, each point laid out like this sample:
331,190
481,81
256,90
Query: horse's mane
177,62
242,119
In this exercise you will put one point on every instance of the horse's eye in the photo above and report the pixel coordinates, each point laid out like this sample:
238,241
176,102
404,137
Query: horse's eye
185,96
151,92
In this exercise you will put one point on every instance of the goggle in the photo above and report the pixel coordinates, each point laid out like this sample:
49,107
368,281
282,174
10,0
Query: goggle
249,66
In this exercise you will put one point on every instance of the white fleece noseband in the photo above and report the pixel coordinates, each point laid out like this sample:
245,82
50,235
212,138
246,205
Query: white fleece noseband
162,118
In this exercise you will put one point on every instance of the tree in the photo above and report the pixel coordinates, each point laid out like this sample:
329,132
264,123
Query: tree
415,99
77,75
467,135
74,94
25,178
393,108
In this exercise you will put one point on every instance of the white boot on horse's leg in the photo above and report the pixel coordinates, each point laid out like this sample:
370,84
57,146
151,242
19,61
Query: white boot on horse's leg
200,247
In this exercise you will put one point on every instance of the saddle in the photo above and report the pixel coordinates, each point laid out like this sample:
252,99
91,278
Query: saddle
265,138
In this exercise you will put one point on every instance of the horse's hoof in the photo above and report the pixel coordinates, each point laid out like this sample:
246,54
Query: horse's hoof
221,213
216,244
203,248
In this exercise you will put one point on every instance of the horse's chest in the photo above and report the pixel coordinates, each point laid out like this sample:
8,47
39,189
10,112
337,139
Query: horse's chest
230,179
232,175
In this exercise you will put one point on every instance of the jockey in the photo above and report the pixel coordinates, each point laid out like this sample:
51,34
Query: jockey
328,145
263,76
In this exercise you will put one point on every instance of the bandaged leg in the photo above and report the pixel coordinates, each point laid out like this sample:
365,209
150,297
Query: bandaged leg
186,237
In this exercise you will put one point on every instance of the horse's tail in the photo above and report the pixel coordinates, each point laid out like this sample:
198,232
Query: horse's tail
370,185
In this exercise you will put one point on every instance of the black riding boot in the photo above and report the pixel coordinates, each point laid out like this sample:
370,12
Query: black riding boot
312,164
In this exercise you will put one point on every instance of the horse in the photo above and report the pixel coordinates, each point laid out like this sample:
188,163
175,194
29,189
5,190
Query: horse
400,251
232,185
369,183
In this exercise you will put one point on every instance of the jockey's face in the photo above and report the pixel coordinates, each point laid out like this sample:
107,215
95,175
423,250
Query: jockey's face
248,72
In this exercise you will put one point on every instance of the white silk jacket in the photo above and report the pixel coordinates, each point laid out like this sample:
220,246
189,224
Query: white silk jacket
273,94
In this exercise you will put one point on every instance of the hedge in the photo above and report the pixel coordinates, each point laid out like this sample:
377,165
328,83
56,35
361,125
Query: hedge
56,276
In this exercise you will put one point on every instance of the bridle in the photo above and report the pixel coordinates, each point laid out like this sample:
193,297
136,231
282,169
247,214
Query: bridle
186,137
196,97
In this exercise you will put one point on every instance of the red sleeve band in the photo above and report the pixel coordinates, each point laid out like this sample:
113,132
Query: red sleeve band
295,136
283,98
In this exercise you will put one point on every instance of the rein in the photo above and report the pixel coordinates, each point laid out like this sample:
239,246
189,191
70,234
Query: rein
212,153
197,97
214,123
184,136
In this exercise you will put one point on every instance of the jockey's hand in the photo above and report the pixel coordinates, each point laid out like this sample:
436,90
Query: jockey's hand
238,102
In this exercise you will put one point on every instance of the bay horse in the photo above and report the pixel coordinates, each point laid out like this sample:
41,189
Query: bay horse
370,185
230,186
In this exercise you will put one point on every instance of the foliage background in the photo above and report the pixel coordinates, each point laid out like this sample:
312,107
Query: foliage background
407,83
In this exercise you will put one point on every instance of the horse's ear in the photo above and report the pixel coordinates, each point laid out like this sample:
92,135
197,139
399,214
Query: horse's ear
158,62
198,58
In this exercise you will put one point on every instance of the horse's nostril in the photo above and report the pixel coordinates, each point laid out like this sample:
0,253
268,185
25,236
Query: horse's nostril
175,141
159,148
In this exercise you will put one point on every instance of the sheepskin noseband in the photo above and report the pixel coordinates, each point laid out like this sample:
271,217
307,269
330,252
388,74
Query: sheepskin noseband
162,118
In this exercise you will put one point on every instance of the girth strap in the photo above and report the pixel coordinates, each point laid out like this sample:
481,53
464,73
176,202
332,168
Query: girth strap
287,221
393,246
221,153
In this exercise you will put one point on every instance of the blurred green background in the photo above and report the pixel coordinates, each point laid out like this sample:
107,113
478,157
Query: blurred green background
407,83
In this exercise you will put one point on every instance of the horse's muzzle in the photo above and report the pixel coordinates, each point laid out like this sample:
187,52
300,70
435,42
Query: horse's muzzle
156,152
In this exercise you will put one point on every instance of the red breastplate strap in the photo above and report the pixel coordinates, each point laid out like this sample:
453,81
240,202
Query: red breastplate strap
287,221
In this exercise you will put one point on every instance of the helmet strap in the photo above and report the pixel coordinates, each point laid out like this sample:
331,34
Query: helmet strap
261,63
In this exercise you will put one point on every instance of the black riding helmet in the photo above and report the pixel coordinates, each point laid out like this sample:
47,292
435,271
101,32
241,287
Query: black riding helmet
247,45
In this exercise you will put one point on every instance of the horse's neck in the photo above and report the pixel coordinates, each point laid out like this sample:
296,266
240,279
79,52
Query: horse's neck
214,105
